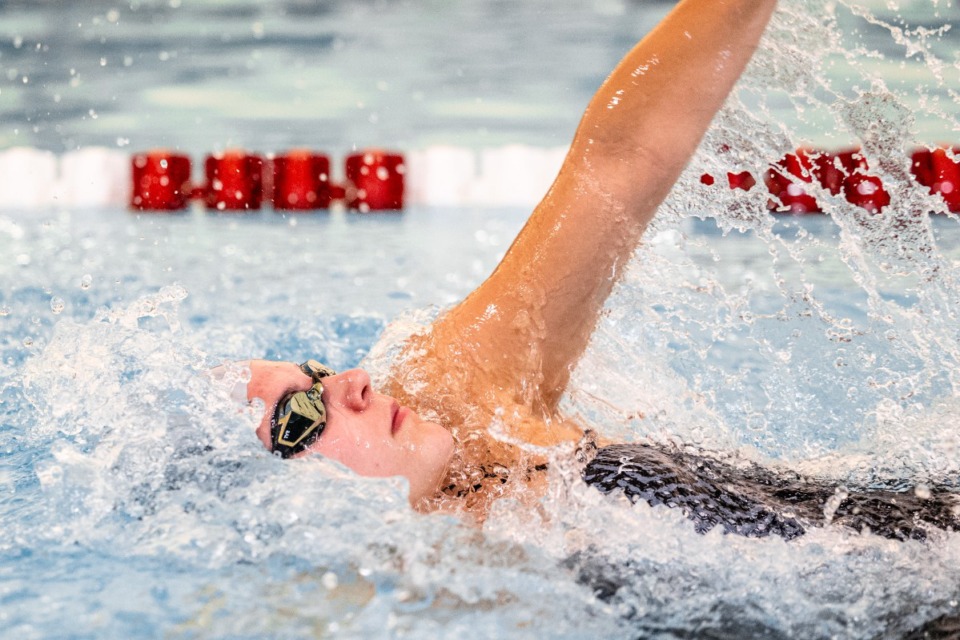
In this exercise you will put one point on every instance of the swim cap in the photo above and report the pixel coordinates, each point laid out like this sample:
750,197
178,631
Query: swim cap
300,418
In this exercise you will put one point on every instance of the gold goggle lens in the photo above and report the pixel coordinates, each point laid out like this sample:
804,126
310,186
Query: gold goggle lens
301,418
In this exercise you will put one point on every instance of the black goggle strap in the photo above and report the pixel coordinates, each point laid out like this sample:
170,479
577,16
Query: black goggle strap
316,370
301,419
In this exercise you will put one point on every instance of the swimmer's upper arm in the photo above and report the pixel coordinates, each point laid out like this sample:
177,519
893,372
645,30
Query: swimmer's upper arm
529,322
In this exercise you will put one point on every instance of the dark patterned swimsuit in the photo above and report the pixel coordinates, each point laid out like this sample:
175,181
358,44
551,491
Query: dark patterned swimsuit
753,501
756,502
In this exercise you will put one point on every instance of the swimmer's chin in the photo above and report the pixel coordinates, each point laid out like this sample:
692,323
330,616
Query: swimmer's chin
435,500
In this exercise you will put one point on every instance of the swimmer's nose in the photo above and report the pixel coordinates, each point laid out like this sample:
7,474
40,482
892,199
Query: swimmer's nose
352,389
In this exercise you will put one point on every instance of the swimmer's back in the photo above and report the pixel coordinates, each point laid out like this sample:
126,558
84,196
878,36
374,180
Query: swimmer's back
753,501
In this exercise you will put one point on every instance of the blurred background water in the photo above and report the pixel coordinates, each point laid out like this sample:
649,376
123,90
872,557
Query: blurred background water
202,75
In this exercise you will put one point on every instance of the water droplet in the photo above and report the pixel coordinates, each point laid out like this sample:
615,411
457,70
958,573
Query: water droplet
86,281
330,580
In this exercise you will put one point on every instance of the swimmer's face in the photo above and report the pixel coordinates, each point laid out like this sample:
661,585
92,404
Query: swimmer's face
368,432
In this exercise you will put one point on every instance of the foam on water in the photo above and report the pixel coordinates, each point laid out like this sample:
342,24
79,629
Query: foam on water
136,501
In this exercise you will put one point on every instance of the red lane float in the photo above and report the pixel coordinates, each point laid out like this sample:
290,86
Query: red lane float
743,180
866,192
301,181
920,166
790,179
785,179
841,172
160,181
940,172
946,176
298,180
860,188
234,181
375,180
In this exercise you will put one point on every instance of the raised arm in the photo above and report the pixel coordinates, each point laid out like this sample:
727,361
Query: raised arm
529,322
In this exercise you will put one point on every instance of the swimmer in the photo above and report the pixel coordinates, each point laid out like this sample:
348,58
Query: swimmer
504,354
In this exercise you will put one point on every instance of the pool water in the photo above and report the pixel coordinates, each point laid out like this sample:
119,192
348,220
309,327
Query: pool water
136,502
206,75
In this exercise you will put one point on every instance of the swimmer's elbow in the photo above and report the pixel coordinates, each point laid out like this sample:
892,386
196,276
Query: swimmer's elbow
635,172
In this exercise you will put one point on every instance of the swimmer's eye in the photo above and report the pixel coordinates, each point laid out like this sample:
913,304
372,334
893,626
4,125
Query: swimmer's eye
301,417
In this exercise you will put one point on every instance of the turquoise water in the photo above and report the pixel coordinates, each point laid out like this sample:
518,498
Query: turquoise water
135,501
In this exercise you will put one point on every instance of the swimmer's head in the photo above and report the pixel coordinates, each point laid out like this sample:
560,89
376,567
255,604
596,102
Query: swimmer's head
368,432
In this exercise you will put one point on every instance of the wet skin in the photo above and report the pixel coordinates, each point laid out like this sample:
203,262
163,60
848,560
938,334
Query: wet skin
504,354
369,432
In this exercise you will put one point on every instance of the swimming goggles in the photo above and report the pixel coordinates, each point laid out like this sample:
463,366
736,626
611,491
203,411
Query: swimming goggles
300,418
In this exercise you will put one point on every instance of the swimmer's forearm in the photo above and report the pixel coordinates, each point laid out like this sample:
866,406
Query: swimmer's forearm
637,134
652,111
531,320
